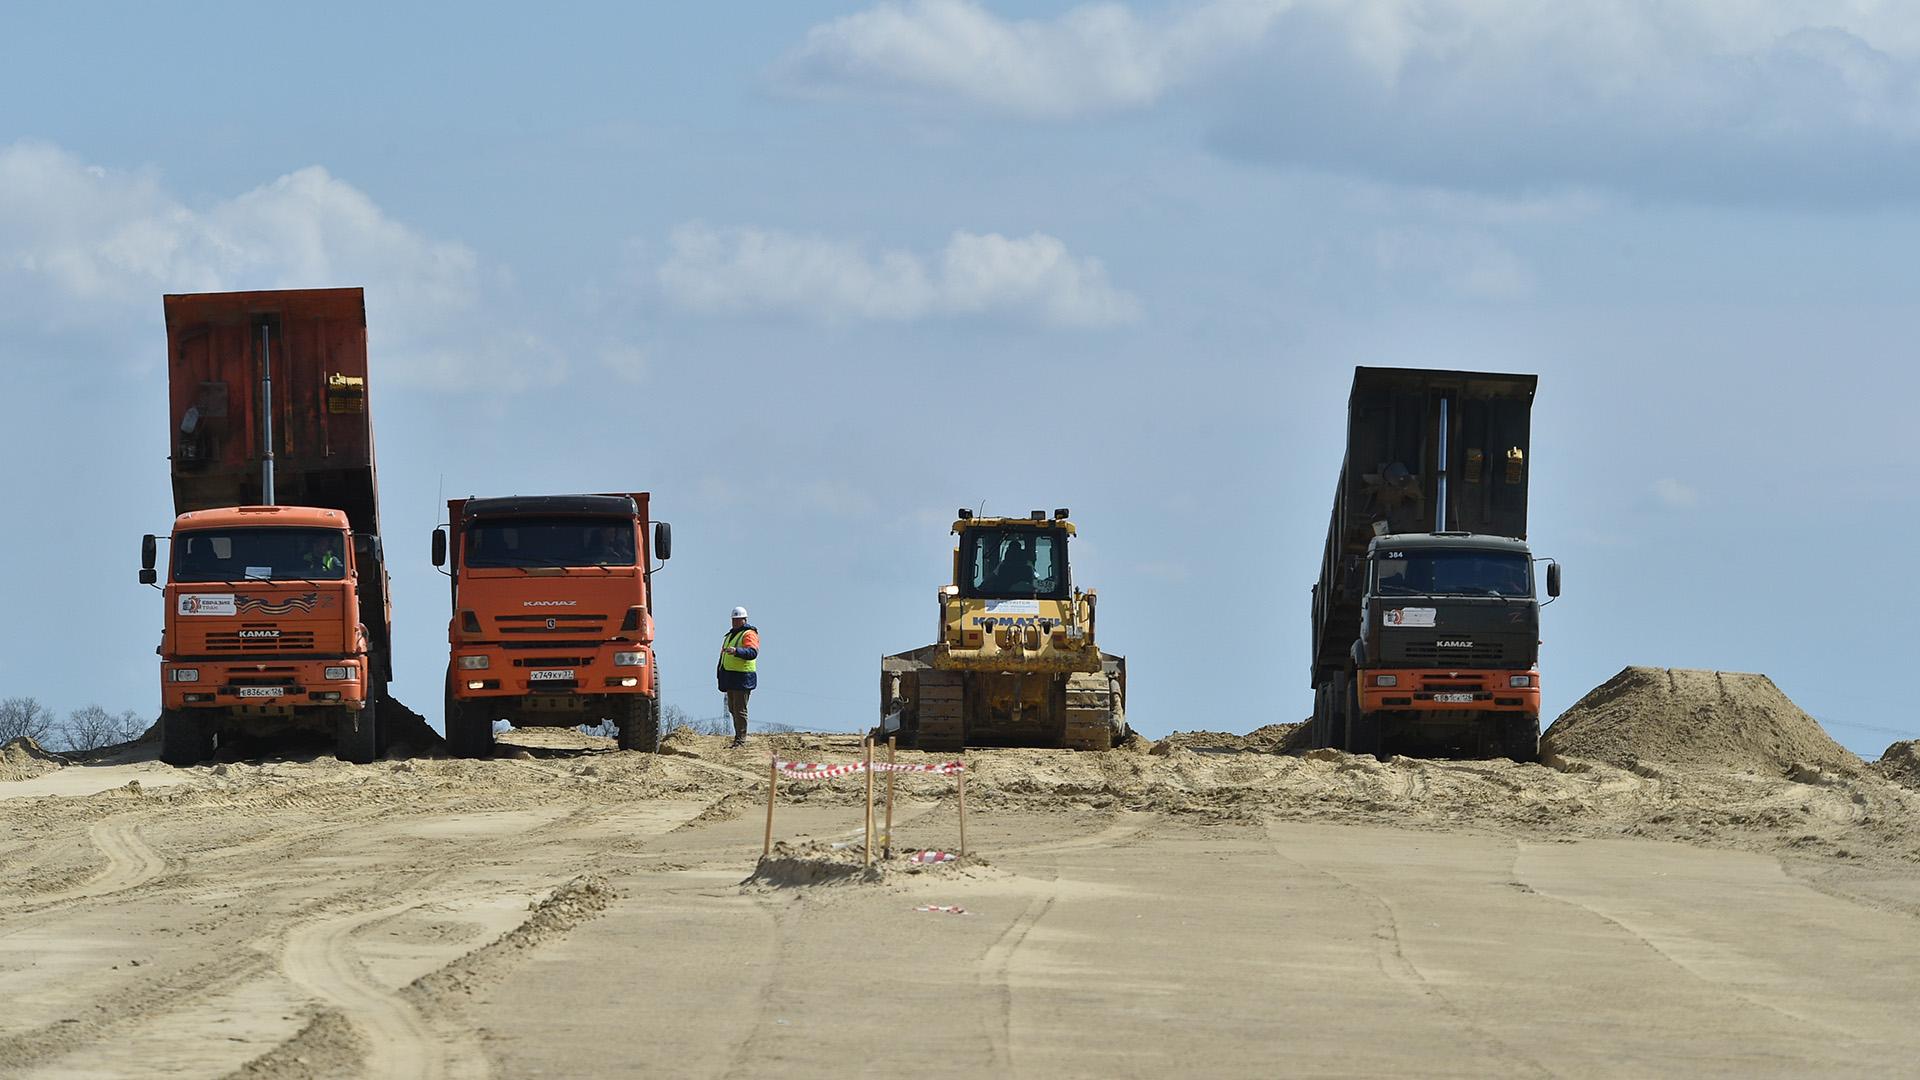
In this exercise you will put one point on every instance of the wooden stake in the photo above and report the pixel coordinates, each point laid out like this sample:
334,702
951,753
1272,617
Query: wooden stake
886,838
963,814
773,784
867,744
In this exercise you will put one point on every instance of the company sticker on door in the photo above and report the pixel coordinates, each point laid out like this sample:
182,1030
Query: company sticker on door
1013,607
1411,616
207,604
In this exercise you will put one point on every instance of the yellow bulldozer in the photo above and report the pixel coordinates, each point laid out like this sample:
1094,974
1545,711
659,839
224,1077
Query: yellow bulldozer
1016,663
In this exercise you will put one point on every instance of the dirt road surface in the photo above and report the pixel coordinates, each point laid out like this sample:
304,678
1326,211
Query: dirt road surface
1200,907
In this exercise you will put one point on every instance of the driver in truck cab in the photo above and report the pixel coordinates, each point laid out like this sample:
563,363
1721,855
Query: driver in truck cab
321,558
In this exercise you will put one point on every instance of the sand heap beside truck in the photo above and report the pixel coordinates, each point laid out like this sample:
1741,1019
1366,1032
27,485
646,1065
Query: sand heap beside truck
1426,629
277,614
1016,663
552,621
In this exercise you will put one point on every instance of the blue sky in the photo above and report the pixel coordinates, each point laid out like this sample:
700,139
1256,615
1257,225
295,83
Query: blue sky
817,274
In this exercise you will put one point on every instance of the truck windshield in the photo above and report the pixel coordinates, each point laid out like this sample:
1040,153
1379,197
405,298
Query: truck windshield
1010,563
259,554
549,541
1459,572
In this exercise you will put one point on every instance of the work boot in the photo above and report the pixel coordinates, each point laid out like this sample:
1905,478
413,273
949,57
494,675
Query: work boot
738,741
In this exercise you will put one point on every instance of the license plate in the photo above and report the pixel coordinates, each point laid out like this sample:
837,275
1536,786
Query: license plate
1454,699
262,691
542,676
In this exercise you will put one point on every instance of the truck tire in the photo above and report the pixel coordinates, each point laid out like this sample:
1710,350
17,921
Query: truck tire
186,738
1520,738
1318,729
356,733
638,718
1337,712
469,729
1363,728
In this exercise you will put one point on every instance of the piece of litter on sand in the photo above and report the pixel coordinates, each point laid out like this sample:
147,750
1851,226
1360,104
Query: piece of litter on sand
932,856
944,909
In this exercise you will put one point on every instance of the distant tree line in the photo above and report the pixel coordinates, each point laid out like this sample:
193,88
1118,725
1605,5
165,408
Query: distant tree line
89,727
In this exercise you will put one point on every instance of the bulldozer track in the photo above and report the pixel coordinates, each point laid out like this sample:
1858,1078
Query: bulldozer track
942,711
1089,713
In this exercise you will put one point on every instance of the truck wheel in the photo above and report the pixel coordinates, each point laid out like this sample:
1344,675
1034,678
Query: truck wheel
638,718
1363,728
185,737
1317,727
469,729
356,734
1521,737
1337,713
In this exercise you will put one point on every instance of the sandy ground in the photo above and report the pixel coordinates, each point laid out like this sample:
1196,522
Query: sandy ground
1202,907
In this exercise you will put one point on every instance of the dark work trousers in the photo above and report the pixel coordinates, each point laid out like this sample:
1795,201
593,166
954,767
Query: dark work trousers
737,705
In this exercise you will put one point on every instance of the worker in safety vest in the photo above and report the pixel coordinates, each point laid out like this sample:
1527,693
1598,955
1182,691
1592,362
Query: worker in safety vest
736,671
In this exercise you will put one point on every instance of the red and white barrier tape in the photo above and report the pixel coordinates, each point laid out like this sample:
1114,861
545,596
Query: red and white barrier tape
814,770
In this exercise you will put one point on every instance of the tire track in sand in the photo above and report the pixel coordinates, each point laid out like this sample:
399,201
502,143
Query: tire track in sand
320,958
130,863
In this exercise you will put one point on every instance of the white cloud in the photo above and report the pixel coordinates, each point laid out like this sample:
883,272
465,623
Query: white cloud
82,244
745,270
1712,99
1672,493
1091,58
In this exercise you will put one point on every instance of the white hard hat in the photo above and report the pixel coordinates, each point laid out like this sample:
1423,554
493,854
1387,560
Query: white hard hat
739,613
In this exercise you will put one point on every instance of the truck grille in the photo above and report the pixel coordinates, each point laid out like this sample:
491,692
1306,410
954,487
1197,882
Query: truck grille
561,624
553,661
288,641
1491,652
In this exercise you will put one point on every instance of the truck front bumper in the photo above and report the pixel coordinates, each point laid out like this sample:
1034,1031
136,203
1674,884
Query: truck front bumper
552,673
1430,690
322,682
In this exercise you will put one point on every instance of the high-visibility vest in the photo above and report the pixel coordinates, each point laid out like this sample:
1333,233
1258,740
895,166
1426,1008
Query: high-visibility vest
728,661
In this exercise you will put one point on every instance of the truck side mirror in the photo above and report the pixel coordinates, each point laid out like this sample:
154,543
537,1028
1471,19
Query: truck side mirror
662,540
439,547
1553,579
149,553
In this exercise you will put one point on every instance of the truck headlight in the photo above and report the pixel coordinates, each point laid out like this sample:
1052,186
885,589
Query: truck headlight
340,674
1386,680
629,659
473,663
1519,680
184,674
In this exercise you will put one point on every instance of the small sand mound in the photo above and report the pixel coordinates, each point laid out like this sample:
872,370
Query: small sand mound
408,734
1901,763
23,759
817,863
1264,740
1696,719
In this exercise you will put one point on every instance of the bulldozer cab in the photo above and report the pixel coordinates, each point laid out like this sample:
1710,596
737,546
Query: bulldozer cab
1002,560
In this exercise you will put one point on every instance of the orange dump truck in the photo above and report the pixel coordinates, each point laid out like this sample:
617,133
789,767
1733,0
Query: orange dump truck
552,616
277,614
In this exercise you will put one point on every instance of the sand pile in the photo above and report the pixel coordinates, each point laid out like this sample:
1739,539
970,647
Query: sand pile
23,759
1696,719
1265,740
1901,763
815,862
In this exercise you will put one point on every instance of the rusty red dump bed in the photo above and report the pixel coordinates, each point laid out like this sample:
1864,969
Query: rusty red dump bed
323,436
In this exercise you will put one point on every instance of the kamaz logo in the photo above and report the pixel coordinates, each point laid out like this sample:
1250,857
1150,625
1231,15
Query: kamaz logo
1453,643
259,633
549,603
